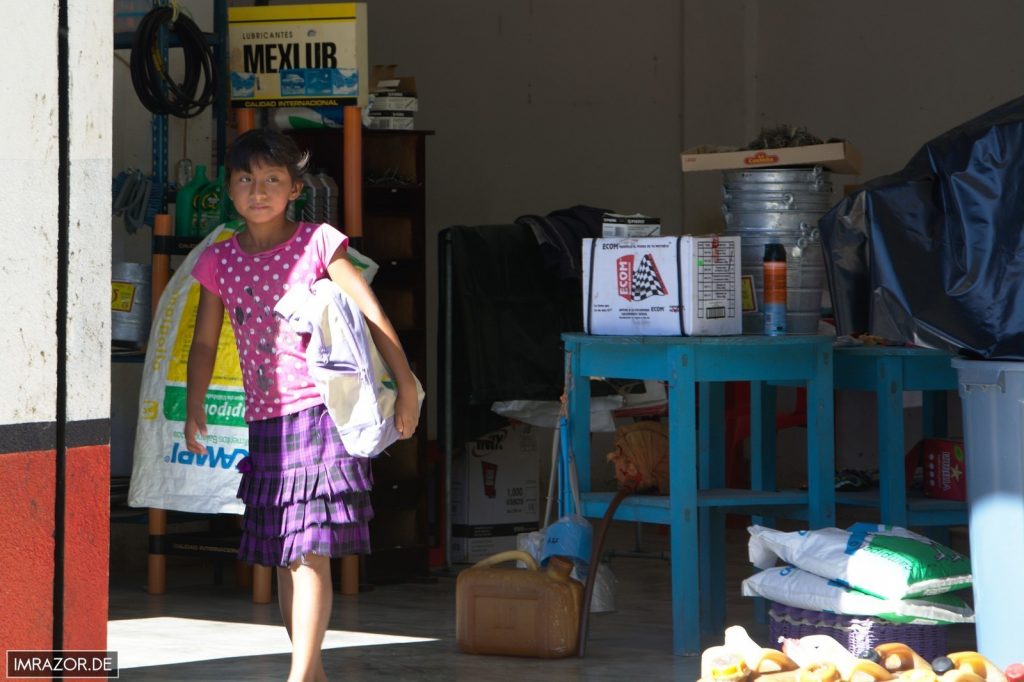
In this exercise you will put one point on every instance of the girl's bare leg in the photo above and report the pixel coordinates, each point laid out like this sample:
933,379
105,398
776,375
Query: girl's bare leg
311,599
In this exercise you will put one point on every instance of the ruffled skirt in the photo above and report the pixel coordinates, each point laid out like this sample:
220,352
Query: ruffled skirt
303,493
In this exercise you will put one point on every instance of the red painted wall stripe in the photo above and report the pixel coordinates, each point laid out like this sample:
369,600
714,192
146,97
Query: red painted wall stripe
86,547
26,550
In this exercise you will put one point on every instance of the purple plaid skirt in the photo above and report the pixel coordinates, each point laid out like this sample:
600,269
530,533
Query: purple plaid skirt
303,494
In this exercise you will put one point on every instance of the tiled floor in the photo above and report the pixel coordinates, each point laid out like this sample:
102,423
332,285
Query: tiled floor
199,631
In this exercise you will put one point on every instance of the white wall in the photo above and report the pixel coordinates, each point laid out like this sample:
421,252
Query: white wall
28,215
89,233
886,76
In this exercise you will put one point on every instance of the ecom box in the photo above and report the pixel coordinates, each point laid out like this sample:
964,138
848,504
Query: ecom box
662,286
495,492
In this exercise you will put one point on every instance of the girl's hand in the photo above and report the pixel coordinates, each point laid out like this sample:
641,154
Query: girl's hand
195,425
407,413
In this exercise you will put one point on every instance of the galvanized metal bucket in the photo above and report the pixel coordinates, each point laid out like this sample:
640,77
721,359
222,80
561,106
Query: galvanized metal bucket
780,205
131,284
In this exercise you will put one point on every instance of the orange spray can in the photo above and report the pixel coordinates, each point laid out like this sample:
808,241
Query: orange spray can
774,289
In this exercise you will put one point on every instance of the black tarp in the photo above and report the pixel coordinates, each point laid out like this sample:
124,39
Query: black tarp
934,254
508,309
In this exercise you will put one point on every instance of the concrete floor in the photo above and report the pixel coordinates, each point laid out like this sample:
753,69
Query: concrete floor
200,631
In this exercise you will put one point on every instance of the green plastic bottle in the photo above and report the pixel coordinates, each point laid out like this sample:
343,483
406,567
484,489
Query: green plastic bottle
184,204
209,205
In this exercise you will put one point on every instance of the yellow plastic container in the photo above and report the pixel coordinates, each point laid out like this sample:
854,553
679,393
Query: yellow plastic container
518,612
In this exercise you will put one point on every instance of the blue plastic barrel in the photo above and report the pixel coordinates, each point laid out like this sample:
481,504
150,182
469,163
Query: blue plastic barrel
992,394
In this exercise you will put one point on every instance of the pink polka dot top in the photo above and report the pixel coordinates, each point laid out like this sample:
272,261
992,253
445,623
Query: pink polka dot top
272,357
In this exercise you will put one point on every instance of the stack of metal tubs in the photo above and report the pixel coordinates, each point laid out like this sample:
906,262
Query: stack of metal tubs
780,205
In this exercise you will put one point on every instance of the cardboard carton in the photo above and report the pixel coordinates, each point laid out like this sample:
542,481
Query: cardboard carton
944,469
839,157
634,225
392,120
383,79
495,492
308,55
662,286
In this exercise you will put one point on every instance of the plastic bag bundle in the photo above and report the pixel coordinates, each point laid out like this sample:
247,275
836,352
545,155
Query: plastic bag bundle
869,570
885,561
798,588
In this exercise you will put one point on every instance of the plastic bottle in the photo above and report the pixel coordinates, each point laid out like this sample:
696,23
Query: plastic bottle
774,289
209,205
311,209
184,203
330,199
723,664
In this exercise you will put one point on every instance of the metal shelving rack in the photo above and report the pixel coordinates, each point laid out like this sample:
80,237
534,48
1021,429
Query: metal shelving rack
218,40
218,543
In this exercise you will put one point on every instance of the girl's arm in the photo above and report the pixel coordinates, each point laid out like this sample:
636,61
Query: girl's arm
407,408
201,358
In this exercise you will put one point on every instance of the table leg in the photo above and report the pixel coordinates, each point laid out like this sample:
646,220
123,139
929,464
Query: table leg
762,459
683,534
762,438
892,483
821,465
711,523
578,407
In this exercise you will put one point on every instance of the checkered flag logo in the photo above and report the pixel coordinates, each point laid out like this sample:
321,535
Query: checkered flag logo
639,281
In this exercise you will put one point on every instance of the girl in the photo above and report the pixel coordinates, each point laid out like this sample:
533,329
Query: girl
305,499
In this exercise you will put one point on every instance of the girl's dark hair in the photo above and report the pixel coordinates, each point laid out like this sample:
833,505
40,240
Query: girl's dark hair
269,147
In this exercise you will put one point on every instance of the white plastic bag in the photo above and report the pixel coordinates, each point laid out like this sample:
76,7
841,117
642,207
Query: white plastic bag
793,587
165,475
886,561
534,543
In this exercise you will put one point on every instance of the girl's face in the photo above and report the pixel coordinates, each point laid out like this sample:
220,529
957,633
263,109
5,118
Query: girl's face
261,195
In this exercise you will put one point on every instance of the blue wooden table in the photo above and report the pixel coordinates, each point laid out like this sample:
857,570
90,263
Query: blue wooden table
692,367
888,371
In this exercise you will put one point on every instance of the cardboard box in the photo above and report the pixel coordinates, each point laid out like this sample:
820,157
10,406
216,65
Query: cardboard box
839,157
635,225
662,286
394,101
392,120
384,80
311,55
944,469
495,492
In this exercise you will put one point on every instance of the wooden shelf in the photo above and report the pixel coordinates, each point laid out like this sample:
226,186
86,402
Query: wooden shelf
394,227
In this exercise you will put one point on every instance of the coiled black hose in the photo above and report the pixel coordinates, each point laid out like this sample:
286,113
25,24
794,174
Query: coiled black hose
153,84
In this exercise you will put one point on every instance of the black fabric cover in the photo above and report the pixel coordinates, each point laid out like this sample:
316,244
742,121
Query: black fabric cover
934,254
561,234
507,313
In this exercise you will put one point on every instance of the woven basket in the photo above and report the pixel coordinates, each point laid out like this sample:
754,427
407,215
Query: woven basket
856,633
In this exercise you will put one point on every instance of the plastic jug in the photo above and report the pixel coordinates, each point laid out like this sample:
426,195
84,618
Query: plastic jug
209,205
184,204
518,612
